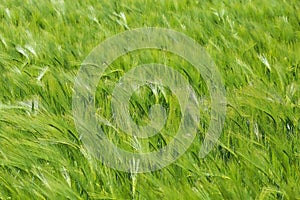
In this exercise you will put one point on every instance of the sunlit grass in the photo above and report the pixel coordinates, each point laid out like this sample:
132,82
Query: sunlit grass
256,46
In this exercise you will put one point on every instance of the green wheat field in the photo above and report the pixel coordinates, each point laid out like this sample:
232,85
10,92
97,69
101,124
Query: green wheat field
254,43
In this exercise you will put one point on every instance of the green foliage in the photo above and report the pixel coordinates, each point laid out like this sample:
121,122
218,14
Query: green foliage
256,46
